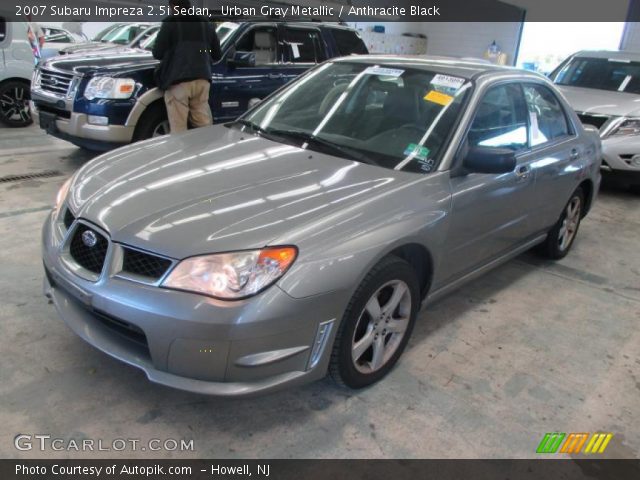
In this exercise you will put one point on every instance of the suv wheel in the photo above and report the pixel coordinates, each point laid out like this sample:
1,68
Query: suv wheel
153,122
14,104
562,235
377,324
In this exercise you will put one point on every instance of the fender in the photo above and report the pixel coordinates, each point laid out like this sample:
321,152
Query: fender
146,99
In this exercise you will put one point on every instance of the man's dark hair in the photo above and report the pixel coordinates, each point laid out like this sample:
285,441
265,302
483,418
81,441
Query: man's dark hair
180,3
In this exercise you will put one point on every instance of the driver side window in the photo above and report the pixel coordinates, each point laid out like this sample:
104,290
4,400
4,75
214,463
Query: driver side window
500,120
263,42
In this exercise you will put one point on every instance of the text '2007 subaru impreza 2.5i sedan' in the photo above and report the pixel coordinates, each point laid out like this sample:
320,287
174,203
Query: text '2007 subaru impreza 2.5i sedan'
302,238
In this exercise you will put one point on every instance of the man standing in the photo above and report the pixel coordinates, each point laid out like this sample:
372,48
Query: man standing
186,45
35,34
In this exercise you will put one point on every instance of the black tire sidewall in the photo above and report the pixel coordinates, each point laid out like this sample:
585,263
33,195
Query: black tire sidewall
552,248
385,271
154,114
7,86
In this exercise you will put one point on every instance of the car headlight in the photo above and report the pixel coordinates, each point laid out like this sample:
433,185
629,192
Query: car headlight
108,87
629,126
232,276
62,194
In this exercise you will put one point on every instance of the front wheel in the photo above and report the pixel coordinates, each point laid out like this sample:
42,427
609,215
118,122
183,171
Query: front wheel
377,324
14,104
152,123
562,235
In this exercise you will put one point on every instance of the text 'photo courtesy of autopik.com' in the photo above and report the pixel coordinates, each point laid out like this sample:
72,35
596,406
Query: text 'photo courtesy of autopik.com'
320,239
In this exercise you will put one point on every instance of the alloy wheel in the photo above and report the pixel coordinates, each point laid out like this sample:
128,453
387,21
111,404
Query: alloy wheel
570,223
14,105
161,129
381,326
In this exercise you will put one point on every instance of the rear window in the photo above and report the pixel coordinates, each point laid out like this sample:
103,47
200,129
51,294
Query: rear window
601,74
348,42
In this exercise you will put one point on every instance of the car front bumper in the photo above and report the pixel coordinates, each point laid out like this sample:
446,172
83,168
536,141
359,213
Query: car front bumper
621,157
77,130
192,342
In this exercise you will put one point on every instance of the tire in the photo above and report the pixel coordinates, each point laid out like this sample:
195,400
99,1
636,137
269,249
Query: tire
14,104
364,351
150,123
561,237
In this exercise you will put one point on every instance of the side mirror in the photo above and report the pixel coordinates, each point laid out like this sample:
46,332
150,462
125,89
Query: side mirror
489,160
242,59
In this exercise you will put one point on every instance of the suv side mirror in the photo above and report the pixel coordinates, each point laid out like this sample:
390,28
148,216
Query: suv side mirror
489,160
242,59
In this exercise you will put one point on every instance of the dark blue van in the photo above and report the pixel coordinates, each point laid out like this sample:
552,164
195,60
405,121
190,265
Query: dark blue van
106,99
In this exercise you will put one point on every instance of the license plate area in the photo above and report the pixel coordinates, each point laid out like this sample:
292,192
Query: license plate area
48,121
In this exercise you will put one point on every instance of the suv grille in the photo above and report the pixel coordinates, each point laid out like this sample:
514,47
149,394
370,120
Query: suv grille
89,257
595,120
55,82
144,264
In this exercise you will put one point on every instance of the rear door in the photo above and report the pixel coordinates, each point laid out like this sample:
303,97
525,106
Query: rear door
490,213
235,89
303,47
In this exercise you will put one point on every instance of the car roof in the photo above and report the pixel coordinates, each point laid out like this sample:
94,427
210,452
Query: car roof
610,54
461,67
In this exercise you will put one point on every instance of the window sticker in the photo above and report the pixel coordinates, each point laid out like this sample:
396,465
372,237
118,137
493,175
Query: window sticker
418,151
295,49
447,81
387,72
438,97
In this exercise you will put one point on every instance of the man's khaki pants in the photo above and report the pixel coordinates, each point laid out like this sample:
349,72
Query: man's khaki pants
188,102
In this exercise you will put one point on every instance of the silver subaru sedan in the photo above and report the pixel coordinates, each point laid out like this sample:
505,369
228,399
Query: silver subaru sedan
303,238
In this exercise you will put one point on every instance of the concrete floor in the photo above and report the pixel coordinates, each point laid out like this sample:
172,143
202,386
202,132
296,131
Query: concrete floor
532,347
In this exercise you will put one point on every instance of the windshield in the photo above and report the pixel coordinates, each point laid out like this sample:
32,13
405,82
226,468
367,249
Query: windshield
395,117
124,34
224,31
105,31
601,74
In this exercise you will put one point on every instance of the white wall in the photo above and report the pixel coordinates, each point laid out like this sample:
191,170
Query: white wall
458,39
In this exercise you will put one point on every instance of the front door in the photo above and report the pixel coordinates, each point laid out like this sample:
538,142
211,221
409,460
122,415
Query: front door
490,213
235,89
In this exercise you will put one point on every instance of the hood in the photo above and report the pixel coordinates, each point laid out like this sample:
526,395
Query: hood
112,60
92,47
603,102
217,189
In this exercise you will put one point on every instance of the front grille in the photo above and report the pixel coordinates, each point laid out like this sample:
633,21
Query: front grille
68,218
55,82
89,257
144,264
592,119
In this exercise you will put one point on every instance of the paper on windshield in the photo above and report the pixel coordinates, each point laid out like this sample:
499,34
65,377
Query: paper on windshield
386,72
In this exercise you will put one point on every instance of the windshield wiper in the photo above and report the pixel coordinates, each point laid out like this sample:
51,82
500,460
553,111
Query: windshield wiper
310,139
253,126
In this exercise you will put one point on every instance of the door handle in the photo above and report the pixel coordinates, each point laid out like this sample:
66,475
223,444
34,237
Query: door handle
575,154
523,171
274,76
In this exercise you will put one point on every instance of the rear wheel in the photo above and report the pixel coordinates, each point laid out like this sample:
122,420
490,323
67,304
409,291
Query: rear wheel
377,324
14,104
562,235
152,123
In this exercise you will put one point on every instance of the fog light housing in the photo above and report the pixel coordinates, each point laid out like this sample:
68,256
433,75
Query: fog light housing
635,161
98,120
322,336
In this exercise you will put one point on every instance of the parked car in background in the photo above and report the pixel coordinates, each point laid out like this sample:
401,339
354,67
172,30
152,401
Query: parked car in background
603,87
16,68
304,237
57,38
100,102
118,35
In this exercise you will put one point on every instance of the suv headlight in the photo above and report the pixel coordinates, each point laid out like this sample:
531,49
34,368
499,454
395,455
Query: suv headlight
109,87
629,126
232,276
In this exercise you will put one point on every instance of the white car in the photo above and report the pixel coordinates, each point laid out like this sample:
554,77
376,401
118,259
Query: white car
57,38
603,87
16,68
